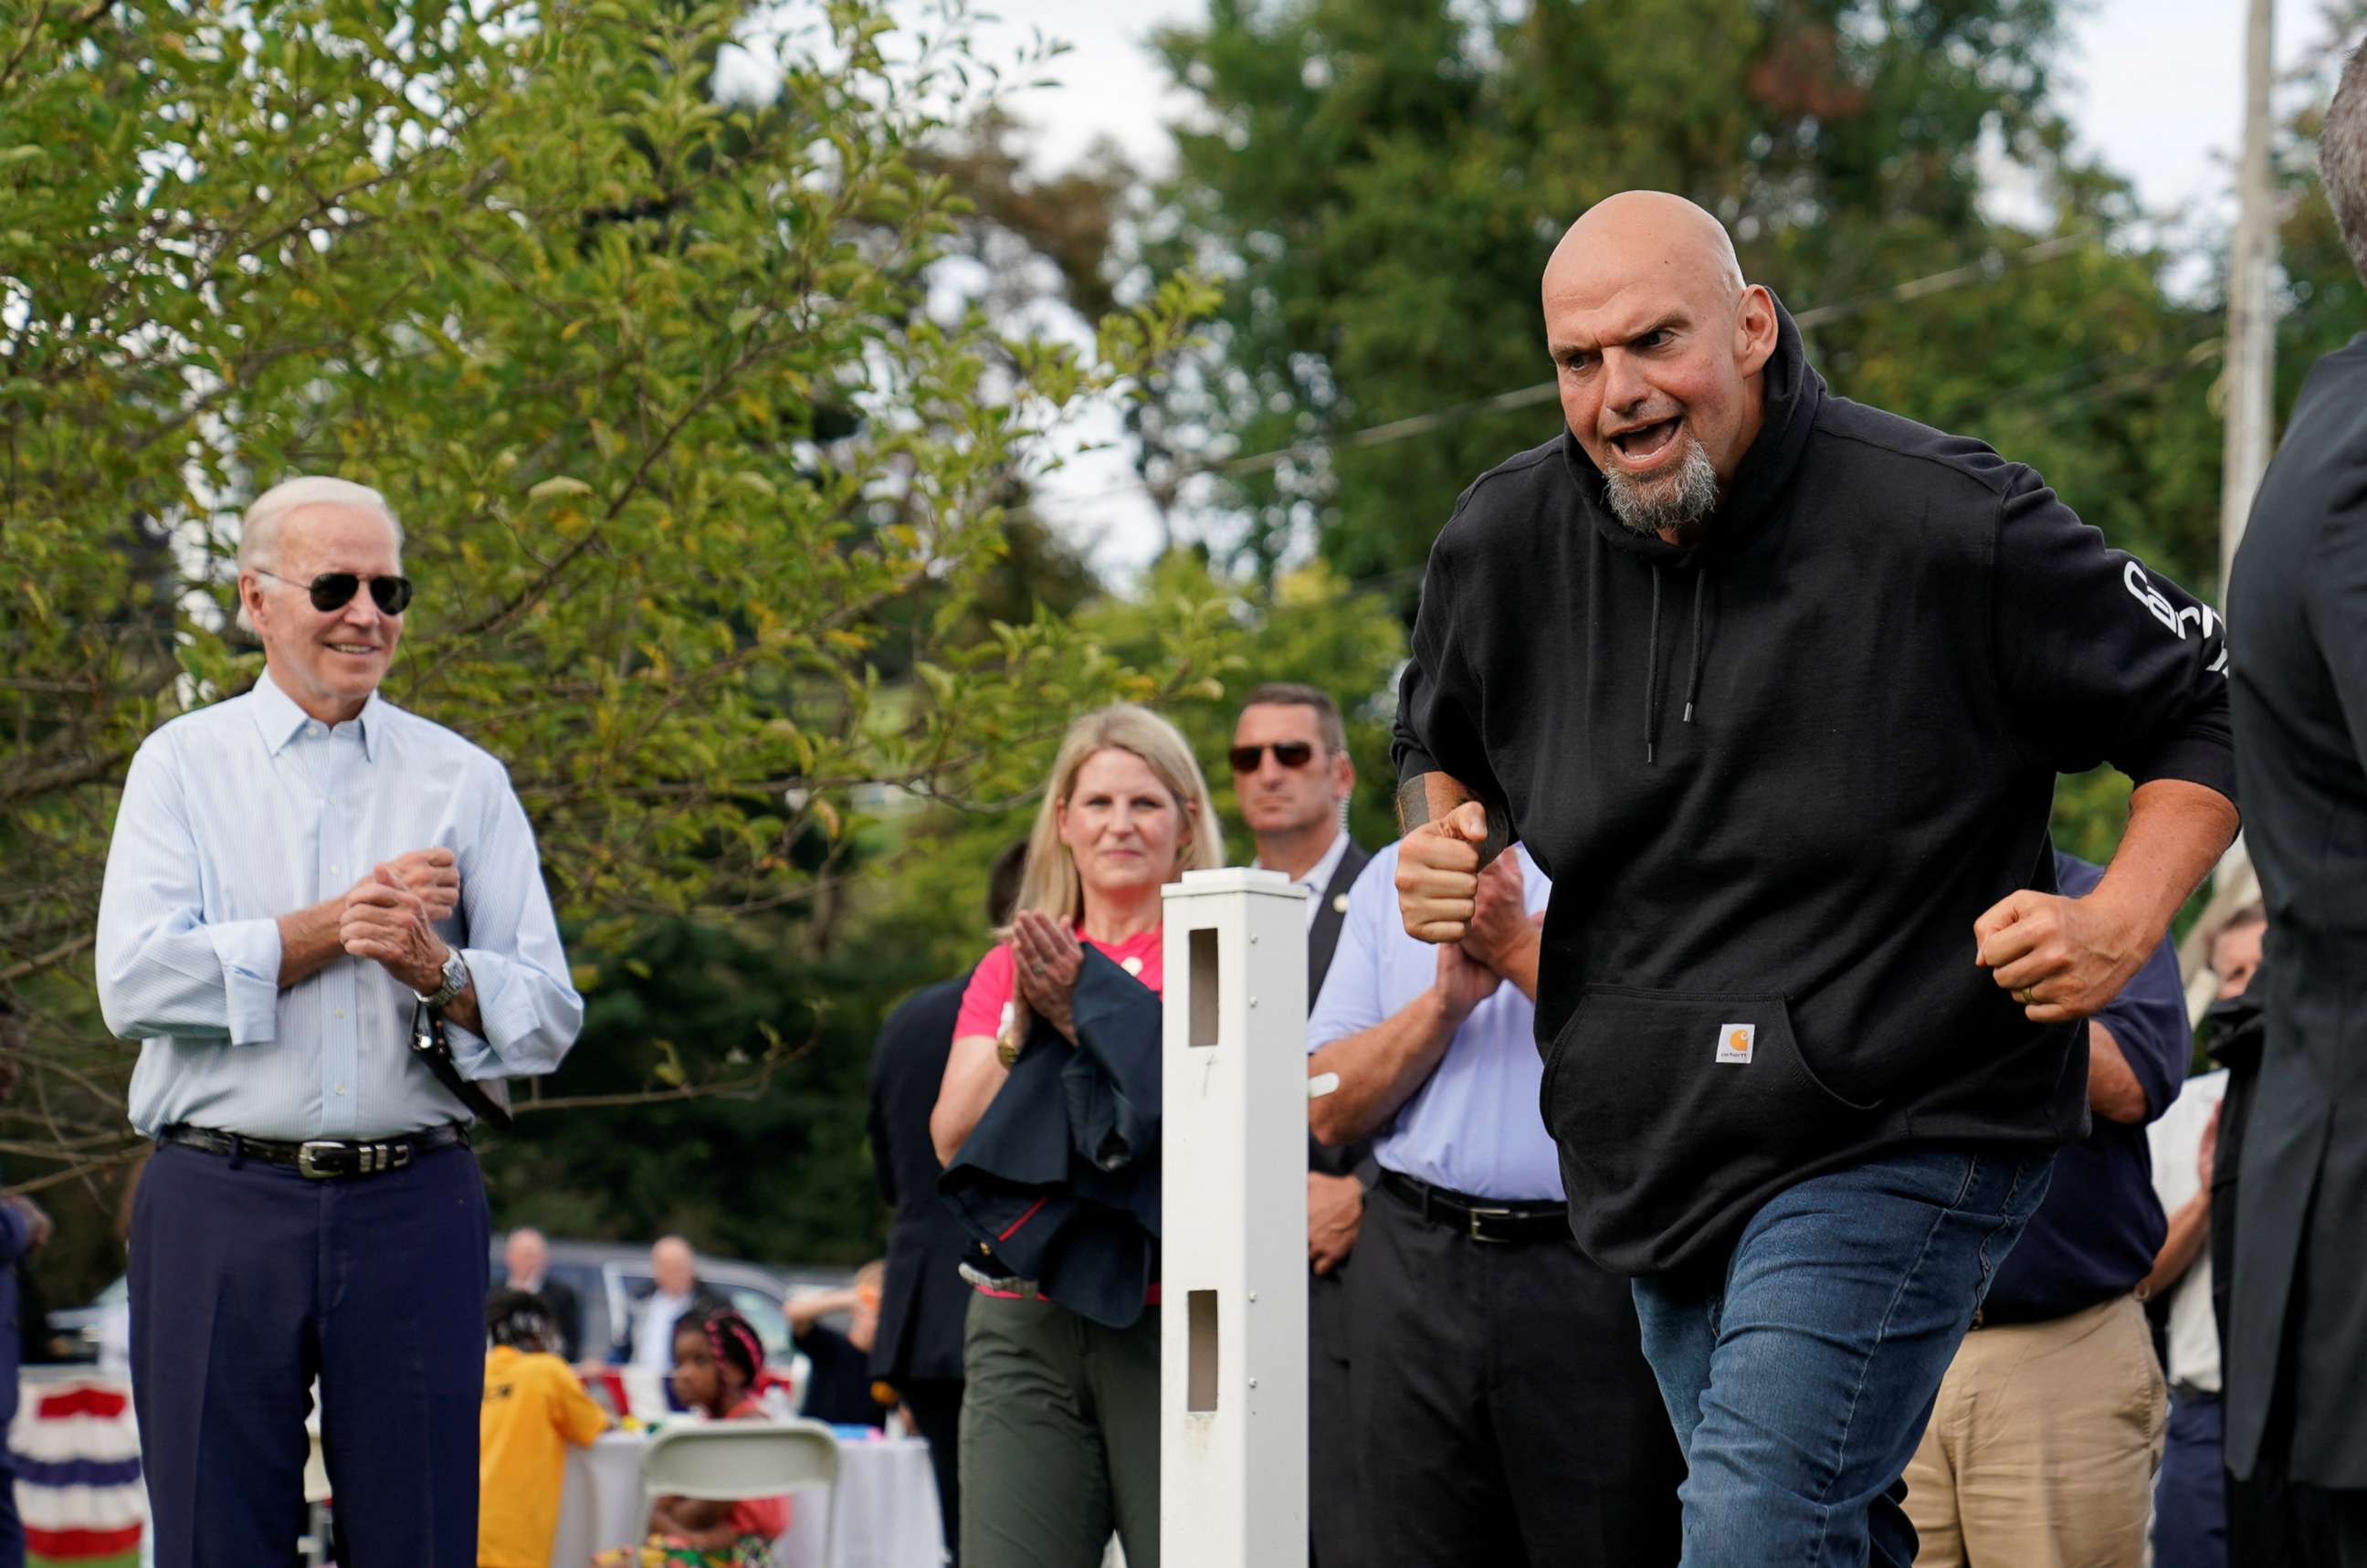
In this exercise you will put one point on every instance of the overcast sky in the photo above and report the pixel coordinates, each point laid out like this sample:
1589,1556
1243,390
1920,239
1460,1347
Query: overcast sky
2155,86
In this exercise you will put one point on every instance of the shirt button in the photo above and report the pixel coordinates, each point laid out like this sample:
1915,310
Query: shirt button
341,1088
341,1012
317,731
335,870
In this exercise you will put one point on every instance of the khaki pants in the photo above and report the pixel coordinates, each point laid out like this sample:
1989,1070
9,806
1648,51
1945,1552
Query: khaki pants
1060,1437
2043,1447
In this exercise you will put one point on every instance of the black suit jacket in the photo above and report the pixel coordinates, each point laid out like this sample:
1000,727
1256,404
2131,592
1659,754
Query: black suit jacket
2297,640
923,1303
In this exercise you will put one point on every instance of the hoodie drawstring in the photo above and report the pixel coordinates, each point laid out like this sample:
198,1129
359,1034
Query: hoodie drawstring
1692,676
1652,672
1652,663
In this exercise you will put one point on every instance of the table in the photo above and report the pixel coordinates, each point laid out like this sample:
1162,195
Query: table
886,1506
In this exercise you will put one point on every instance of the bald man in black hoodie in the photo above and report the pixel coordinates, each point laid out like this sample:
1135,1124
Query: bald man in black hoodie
1809,998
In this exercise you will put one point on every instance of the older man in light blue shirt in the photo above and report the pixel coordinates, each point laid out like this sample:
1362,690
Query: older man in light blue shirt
298,876
1503,1410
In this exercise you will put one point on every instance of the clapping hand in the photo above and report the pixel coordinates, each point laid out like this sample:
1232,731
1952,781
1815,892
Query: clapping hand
1047,959
1499,914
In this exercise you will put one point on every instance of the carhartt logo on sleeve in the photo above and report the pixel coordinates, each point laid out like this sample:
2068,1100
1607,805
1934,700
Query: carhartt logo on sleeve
1734,1042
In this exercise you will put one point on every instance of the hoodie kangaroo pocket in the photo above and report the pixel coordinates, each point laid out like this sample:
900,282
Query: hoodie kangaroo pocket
1677,1114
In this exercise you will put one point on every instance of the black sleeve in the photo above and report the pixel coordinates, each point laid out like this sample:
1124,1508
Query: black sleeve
1438,699
2100,660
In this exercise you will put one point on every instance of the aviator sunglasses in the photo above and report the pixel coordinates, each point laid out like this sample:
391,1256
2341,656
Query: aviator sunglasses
1290,753
334,590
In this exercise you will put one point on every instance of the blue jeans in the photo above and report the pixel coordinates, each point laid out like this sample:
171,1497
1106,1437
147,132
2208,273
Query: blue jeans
1800,1377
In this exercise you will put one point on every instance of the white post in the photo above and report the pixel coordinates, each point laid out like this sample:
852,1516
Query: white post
1232,1362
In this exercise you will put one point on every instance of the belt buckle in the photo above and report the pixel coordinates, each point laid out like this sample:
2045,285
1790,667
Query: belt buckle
309,1156
1472,1217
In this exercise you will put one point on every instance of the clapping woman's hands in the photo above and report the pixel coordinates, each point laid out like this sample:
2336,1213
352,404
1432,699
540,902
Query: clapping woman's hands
1047,958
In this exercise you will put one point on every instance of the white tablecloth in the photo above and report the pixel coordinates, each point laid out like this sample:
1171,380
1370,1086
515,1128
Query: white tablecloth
886,1506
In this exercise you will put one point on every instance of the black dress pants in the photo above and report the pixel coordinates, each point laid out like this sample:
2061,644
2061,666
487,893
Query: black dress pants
1335,1516
1504,1411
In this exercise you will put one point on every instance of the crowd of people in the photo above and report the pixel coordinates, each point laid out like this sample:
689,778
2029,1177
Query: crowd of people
1690,1190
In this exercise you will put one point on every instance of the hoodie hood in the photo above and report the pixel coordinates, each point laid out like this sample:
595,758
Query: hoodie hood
1792,393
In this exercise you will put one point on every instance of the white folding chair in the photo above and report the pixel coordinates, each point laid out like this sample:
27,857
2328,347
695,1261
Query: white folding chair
728,1461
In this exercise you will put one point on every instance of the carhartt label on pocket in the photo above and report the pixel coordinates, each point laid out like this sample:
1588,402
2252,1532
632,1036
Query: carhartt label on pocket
1734,1042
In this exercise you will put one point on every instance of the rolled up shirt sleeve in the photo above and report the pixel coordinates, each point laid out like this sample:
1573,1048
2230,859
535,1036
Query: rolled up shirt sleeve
163,969
530,1009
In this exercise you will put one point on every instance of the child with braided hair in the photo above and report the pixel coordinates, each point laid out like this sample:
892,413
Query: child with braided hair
717,1362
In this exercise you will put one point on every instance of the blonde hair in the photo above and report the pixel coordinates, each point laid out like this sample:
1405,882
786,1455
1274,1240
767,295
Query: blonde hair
1049,882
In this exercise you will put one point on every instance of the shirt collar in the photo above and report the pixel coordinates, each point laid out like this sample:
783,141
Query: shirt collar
281,721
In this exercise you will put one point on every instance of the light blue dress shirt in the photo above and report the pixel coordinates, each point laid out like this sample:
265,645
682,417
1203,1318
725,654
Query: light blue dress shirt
249,810
1474,1127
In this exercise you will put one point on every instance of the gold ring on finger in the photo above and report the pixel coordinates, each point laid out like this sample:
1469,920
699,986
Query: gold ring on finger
2022,996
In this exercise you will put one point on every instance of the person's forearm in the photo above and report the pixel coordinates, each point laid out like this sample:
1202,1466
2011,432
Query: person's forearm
2174,834
804,1312
974,1076
2188,1227
1379,1069
309,940
1520,965
1427,797
2113,1091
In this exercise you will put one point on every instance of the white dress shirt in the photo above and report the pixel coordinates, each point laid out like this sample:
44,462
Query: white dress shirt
2176,1140
1318,877
249,810
1474,1126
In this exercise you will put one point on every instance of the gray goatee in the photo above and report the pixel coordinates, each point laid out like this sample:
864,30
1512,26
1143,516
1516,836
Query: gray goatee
1671,505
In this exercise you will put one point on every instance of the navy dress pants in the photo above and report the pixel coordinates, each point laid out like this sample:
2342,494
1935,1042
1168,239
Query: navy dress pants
247,1282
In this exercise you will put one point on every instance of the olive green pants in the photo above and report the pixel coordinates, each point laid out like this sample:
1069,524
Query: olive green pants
1060,1437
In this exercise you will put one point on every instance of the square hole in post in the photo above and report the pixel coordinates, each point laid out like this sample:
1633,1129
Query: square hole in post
1206,978
1200,1367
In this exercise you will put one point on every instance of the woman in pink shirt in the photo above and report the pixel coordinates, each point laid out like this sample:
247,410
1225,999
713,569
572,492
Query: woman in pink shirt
1060,1423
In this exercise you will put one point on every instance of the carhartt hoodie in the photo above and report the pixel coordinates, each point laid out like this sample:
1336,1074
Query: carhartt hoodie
1775,777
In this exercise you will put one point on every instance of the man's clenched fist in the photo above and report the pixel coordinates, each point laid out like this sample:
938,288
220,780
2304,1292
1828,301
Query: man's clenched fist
1438,874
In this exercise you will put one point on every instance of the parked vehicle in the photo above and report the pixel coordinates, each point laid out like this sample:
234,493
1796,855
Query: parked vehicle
608,1277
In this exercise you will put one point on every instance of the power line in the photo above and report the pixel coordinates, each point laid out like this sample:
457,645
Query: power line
1990,266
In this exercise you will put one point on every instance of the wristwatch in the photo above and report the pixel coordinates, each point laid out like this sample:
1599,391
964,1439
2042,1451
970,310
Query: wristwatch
455,980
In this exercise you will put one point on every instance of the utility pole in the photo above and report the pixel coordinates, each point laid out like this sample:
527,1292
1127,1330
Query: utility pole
2249,407
2251,326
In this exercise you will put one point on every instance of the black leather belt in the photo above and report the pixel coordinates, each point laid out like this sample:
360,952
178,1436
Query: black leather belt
1481,1218
321,1159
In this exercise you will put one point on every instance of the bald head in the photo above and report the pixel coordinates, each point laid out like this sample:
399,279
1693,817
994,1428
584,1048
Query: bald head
526,1255
1658,347
1646,229
673,1265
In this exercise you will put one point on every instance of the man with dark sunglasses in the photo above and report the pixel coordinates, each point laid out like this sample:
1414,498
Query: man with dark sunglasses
303,880
1292,777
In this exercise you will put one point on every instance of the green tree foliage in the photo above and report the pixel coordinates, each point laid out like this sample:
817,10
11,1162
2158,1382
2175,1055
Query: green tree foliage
708,505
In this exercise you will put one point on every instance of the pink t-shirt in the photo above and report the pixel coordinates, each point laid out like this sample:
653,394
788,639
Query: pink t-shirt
1139,955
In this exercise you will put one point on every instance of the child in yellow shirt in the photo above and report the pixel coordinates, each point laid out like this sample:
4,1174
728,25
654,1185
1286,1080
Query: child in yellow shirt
533,1409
